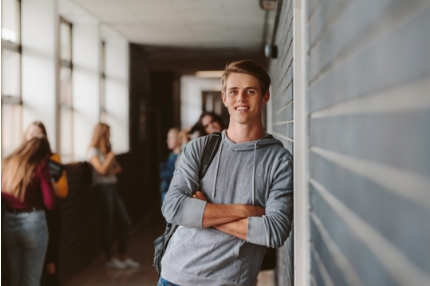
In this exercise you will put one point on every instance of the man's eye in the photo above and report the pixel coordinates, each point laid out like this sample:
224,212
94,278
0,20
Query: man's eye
233,92
251,91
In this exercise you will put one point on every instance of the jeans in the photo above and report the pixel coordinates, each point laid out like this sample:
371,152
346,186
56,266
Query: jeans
163,282
25,237
111,205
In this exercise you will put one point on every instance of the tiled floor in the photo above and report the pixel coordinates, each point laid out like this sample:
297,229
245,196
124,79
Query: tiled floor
140,249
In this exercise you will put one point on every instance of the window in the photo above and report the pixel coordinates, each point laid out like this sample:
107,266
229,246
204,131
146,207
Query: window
103,113
65,96
11,76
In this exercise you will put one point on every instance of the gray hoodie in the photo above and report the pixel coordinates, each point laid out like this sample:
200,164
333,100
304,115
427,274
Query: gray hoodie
255,173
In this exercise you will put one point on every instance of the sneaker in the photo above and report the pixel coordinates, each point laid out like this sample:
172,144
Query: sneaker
115,263
130,262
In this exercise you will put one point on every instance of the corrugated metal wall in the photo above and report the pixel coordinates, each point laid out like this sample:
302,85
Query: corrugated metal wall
368,118
281,72
368,91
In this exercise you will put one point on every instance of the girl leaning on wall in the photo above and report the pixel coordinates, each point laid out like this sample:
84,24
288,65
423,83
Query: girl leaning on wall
105,168
26,190
53,217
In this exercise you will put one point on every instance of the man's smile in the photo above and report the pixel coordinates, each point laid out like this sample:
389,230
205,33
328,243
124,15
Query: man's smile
242,108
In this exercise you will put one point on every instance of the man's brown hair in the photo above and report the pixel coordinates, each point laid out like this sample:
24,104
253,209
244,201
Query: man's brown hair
247,67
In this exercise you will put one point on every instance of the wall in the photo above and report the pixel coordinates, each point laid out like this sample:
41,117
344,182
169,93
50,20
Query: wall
281,121
368,103
191,97
363,111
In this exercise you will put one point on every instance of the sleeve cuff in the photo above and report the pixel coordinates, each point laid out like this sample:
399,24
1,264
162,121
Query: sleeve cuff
193,214
256,231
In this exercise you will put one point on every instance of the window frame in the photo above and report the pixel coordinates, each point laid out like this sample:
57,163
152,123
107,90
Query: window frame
11,99
64,106
102,98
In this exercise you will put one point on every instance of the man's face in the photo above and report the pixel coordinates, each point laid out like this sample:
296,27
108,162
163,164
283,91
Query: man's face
243,98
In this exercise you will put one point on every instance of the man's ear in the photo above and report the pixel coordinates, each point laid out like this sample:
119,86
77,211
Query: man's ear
266,97
223,98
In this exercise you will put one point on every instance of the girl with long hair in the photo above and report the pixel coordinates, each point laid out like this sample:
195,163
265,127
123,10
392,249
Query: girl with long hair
53,217
208,123
26,189
105,169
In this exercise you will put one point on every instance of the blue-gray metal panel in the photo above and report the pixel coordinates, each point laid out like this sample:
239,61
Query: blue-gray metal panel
398,219
392,60
397,139
363,260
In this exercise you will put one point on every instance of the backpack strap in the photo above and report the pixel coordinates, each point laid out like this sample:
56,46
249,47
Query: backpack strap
211,148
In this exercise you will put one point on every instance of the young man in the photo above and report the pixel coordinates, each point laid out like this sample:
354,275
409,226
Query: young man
242,205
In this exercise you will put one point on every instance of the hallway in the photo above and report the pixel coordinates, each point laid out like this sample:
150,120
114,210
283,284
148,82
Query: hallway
349,99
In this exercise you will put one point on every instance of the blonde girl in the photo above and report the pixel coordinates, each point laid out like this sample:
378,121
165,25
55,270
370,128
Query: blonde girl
26,190
105,168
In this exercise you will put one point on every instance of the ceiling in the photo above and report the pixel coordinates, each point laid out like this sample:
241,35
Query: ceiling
199,24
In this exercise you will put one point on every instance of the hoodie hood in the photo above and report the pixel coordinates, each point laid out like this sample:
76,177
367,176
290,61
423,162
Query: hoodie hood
264,141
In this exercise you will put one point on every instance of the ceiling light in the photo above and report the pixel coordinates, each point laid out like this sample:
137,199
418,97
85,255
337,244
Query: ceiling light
209,74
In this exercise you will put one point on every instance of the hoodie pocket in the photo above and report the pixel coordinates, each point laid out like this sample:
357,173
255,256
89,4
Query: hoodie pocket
206,253
182,235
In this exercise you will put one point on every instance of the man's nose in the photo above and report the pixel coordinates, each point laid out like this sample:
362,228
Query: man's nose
241,96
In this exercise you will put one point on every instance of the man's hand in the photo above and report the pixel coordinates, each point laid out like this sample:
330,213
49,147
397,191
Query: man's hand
218,214
249,210
199,195
255,210
237,228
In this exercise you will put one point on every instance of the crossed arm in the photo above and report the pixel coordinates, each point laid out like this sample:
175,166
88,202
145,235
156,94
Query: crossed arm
230,219
105,167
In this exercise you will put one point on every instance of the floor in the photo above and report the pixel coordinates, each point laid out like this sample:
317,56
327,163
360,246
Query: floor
140,249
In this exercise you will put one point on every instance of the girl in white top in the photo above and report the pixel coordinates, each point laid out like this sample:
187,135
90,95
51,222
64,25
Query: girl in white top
105,169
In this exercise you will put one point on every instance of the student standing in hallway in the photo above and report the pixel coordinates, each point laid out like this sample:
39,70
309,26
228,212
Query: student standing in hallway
105,169
53,217
26,189
242,205
168,167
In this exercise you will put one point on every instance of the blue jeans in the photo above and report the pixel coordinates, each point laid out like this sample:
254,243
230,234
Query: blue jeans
111,205
25,237
163,282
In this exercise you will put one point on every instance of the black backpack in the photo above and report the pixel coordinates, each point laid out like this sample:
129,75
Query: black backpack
160,244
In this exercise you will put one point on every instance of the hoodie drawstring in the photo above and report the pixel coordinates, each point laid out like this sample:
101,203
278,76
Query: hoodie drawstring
253,175
216,170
